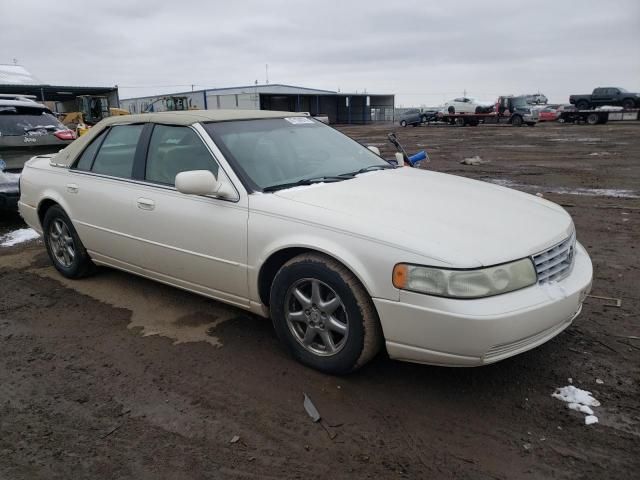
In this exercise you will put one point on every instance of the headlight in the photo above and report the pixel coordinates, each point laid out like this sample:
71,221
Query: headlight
482,282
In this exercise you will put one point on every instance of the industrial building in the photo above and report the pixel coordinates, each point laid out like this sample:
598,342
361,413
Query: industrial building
16,79
338,107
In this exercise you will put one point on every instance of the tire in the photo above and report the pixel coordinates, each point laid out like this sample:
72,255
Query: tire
451,109
299,312
459,121
516,121
593,119
423,119
582,105
628,103
66,251
403,123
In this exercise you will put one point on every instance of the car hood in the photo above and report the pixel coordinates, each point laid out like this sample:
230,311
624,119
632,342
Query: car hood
447,219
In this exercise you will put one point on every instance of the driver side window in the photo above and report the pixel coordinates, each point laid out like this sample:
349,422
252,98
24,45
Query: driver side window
174,149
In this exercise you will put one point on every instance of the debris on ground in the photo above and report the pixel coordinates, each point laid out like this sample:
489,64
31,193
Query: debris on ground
235,439
578,400
18,236
311,409
475,160
599,381
615,302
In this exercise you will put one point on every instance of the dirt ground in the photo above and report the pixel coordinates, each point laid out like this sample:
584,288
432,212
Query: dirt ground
118,377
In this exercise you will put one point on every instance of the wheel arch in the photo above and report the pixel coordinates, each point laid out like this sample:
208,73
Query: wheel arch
278,257
45,203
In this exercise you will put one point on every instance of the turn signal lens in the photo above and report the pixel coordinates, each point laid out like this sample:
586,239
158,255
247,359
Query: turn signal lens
400,275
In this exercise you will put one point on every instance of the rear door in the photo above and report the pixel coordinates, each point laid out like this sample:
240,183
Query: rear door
100,190
198,242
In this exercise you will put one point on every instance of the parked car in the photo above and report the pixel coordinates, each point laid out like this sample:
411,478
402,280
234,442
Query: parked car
28,128
281,215
9,189
416,116
548,114
606,96
467,105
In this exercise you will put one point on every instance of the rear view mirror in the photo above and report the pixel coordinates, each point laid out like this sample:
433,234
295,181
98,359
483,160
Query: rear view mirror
375,150
197,182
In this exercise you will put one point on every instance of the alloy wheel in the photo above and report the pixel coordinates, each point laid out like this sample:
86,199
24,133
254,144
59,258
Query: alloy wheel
61,243
316,317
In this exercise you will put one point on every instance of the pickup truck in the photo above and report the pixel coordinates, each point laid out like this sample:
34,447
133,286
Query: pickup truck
606,96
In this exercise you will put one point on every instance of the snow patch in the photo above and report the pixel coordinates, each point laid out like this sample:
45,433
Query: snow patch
18,236
578,400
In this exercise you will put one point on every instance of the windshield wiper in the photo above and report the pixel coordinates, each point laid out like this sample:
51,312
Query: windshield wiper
370,168
304,181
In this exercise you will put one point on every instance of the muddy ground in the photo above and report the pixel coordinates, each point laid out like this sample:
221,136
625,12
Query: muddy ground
117,377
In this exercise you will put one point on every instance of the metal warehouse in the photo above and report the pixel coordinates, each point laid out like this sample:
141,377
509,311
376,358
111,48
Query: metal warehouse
338,107
15,79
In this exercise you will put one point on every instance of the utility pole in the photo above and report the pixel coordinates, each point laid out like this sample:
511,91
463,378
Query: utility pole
266,71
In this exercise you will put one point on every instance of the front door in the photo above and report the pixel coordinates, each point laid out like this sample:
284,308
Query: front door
198,242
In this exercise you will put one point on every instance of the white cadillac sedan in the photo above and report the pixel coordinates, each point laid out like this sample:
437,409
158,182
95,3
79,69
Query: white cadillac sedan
279,214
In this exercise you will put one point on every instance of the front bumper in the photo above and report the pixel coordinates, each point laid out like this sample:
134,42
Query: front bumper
443,331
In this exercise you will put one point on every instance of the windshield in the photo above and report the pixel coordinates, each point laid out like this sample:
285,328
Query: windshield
279,151
27,121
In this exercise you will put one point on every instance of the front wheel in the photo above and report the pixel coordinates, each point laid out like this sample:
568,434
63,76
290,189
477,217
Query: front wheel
403,123
66,251
323,315
516,121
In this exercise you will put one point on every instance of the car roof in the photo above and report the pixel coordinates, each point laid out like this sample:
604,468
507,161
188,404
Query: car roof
22,103
189,117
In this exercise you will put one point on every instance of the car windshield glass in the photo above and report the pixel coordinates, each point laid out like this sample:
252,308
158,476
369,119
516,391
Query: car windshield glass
21,121
520,102
285,151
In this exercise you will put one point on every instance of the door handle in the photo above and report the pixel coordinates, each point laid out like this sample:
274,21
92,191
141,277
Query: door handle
146,204
72,188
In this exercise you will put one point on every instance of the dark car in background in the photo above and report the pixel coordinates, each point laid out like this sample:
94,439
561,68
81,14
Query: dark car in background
601,96
416,116
27,129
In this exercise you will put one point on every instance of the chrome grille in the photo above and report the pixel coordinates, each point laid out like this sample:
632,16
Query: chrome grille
556,262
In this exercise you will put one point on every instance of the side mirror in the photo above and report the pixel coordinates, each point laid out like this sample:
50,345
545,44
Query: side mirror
375,150
199,182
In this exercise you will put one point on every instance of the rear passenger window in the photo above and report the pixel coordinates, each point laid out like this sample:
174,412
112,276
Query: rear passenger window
173,150
115,157
86,159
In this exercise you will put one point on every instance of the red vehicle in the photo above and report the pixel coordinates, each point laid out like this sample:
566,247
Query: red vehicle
548,114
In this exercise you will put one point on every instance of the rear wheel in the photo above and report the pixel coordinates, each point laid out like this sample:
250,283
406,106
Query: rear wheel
403,123
451,109
66,251
323,315
628,103
582,105
424,119
459,121
593,119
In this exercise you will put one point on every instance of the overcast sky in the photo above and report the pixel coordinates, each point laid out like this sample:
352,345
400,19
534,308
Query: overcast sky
424,52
